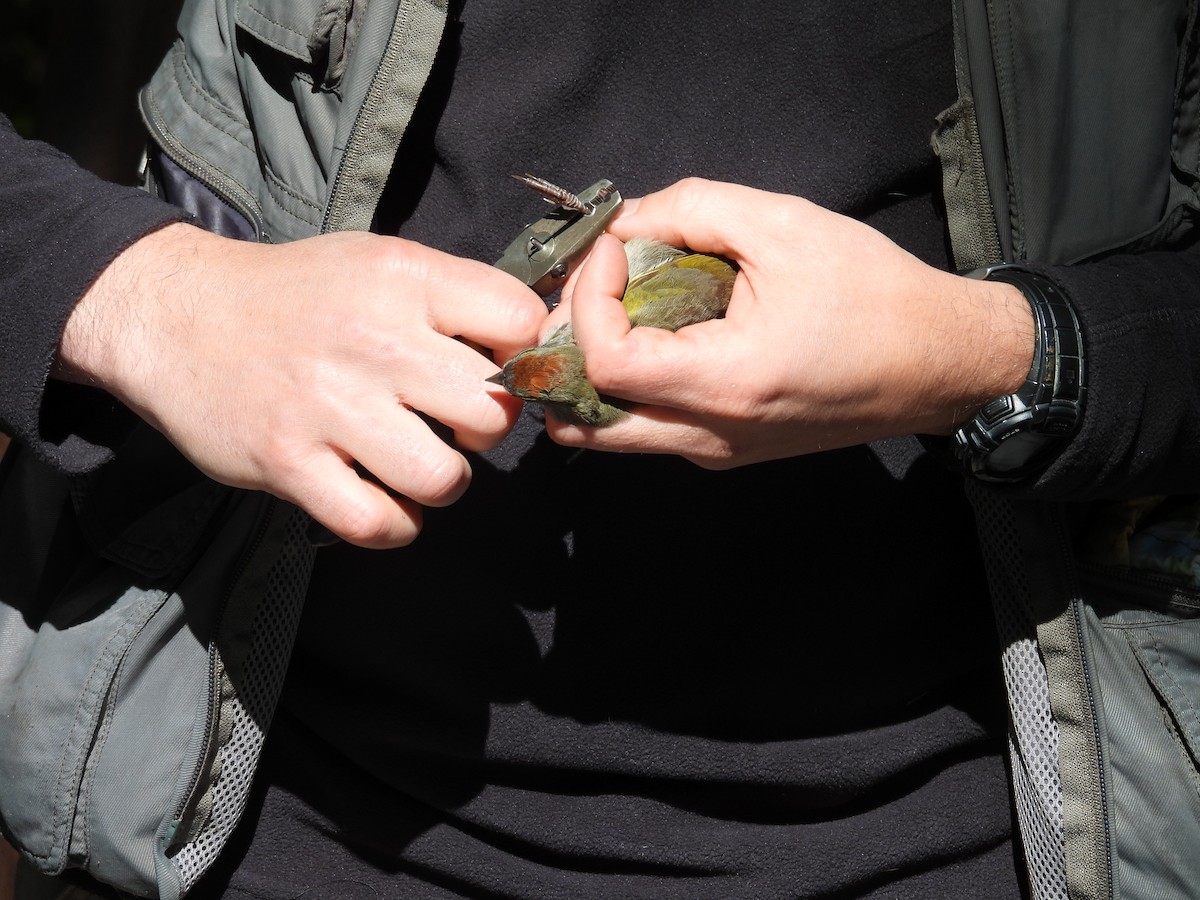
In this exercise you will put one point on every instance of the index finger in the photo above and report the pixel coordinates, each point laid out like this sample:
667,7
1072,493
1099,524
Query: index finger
482,303
708,216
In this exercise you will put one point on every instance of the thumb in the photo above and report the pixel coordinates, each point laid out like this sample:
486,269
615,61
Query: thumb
645,365
597,316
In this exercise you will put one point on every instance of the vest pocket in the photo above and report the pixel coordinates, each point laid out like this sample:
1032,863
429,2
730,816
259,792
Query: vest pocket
1169,654
317,33
139,673
1143,640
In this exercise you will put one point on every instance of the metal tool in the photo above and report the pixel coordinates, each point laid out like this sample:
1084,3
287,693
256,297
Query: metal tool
544,254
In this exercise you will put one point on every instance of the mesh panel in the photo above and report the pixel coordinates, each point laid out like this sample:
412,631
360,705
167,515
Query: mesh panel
275,623
1033,735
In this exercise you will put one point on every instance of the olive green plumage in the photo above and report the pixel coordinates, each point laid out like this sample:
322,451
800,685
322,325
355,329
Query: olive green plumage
667,288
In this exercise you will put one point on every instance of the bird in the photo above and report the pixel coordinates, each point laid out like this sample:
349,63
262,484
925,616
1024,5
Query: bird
667,288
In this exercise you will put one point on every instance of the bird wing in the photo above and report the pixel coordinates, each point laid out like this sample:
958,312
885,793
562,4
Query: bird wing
676,295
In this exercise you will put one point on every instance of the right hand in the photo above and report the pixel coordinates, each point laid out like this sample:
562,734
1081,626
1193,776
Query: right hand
834,336
277,367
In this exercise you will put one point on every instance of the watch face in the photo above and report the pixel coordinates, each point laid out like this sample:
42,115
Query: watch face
1019,452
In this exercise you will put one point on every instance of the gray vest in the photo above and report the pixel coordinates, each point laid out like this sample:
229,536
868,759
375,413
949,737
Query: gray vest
143,657
1076,133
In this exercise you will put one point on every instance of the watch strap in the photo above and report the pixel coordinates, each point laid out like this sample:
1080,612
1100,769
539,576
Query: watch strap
1012,436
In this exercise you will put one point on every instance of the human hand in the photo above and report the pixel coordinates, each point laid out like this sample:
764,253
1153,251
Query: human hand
278,367
666,288
834,335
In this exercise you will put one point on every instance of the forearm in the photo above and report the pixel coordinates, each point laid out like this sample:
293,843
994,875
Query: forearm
61,228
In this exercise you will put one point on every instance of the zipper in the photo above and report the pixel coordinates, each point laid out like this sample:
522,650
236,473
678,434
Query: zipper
228,190
190,797
371,102
211,722
1065,552
375,97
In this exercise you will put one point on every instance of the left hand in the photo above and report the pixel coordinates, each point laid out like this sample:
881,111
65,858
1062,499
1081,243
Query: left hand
834,336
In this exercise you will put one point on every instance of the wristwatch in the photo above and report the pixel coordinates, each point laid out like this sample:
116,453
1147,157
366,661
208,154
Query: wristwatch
1013,436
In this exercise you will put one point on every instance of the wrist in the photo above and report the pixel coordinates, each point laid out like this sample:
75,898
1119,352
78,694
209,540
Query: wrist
1008,346
109,331
1016,432
978,345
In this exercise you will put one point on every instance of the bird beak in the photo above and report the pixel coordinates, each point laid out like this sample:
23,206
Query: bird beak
498,378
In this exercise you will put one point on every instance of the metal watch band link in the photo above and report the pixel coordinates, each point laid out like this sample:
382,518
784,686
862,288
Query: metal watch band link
1012,436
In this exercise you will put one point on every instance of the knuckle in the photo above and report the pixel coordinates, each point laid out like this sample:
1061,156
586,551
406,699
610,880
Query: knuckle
367,526
690,194
745,407
526,315
441,483
718,454
376,525
391,258
523,312
616,365
791,217
363,337
282,458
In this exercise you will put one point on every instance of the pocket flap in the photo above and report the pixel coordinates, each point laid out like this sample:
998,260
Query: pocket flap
1170,656
315,32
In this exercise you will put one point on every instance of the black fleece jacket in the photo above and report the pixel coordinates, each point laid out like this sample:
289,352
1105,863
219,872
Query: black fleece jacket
61,227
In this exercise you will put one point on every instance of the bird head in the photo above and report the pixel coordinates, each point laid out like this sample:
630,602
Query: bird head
553,374
547,373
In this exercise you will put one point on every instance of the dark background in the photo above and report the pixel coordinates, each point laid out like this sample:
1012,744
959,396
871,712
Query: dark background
70,71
